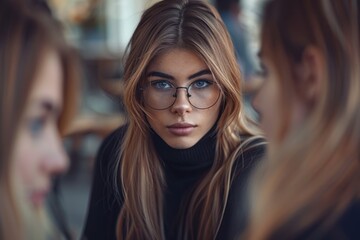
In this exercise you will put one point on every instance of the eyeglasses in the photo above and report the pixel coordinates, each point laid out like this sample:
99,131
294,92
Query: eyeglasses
161,94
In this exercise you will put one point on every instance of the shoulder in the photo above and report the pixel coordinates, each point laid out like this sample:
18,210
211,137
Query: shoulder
251,150
105,199
113,140
109,150
106,165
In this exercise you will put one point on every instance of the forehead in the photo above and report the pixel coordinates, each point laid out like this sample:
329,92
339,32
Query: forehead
48,83
177,61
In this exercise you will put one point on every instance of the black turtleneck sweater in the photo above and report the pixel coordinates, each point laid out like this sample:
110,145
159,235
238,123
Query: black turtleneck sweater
183,169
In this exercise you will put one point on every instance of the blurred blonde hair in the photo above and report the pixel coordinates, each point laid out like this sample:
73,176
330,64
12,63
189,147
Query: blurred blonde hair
26,35
195,26
312,175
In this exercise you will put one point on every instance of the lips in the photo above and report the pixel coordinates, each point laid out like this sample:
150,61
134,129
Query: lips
38,197
181,129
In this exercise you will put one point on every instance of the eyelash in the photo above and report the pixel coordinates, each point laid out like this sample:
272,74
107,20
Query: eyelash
155,82
207,82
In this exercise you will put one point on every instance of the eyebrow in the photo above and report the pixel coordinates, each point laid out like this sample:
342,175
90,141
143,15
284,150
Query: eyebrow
200,73
167,76
160,74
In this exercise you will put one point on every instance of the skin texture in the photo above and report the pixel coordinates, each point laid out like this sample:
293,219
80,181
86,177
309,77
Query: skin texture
193,123
38,153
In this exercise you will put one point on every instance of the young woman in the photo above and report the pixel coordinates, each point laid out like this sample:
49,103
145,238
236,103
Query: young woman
37,74
177,169
309,187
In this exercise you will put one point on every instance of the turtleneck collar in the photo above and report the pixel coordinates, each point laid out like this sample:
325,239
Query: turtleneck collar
197,157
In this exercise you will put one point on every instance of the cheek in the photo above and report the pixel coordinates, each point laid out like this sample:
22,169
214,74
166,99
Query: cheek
155,118
267,103
26,161
299,113
212,115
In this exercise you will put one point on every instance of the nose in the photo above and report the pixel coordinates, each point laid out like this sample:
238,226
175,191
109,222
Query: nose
181,104
57,161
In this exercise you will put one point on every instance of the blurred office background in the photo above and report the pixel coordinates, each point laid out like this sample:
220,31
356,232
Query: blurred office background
100,30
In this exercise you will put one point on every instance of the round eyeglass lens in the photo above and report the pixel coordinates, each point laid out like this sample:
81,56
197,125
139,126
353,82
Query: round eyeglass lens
201,94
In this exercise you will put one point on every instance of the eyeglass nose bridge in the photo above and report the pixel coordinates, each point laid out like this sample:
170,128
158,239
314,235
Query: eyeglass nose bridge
187,92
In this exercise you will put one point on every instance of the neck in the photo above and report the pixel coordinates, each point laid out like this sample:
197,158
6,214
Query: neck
199,156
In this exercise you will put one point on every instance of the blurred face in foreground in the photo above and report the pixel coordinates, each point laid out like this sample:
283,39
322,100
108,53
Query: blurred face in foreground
271,101
38,153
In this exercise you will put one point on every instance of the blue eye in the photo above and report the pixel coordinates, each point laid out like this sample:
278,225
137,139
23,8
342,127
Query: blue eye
161,85
201,84
36,125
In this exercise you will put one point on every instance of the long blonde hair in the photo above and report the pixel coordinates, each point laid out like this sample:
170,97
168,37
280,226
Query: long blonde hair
195,26
313,175
25,37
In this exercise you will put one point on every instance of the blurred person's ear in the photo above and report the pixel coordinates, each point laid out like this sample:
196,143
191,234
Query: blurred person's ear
310,74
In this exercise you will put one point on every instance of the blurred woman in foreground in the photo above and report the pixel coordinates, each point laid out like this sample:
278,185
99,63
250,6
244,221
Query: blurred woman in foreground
37,79
309,187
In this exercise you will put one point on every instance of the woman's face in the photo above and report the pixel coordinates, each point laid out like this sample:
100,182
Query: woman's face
181,125
38,151
268,103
